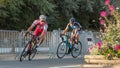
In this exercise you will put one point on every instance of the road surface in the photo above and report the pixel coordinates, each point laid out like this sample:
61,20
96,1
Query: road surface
42,63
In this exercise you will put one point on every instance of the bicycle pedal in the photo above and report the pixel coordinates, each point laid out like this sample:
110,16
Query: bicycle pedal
29,52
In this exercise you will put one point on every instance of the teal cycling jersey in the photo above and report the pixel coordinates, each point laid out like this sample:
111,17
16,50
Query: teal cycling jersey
75,25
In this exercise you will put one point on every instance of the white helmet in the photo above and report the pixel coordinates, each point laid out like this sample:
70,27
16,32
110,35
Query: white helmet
42,17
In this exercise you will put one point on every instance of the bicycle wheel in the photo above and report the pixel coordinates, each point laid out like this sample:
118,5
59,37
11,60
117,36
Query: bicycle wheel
24,53
61,50
76,50
32,54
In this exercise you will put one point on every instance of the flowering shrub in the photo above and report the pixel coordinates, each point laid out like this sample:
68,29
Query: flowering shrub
107,2
94,49
117,49
110,32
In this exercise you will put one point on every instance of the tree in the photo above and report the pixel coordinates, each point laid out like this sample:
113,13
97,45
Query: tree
18,14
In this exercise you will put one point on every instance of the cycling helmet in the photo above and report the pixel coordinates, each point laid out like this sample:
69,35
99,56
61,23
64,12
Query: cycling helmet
42,17
72,19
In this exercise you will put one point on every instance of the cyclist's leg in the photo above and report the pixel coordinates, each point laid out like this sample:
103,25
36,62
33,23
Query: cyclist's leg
77,36
72,37
71,43
30,45
36,33
70,46
42,38
72,40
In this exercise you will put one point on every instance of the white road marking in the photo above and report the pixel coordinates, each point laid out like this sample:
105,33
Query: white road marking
80,66
66,66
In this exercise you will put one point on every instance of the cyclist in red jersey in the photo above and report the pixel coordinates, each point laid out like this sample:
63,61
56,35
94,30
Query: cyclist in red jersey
41,28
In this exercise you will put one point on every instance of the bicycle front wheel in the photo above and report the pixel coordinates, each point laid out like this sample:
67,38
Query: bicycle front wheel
76,50
61,50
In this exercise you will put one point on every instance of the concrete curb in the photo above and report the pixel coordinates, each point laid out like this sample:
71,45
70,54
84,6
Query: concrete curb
89,66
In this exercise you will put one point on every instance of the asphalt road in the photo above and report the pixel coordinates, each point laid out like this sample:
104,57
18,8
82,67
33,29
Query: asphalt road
42,63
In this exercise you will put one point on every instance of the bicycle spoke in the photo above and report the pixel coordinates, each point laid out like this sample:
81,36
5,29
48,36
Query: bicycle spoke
30,48
61,50
76,50
33,53
25,52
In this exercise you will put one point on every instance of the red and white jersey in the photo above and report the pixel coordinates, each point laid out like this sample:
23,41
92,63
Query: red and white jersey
39,27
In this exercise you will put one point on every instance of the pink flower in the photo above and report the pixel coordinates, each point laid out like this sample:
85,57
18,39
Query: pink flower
107,2
99,44
111,7
102,21
103,14
89,49
117,47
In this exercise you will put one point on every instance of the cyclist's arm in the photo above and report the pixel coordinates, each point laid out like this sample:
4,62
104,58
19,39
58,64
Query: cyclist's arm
66,29
28,30
44,31
31,27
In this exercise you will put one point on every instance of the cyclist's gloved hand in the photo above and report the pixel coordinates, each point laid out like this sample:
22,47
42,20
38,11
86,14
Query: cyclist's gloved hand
25,34
61,35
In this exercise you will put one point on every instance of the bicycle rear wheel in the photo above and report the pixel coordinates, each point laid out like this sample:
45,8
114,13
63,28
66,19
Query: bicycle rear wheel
61,50
76,50
24,53
32,54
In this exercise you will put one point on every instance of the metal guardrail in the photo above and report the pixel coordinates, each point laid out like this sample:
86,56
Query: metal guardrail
8,40
13,41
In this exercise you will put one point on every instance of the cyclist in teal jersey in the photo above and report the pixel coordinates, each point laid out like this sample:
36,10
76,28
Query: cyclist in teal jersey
76,31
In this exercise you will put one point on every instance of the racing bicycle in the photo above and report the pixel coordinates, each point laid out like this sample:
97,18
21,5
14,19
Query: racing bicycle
30,48
64,47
